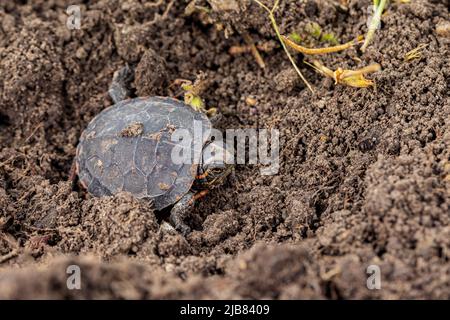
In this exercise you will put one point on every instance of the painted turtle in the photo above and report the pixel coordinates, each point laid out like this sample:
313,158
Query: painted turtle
128,147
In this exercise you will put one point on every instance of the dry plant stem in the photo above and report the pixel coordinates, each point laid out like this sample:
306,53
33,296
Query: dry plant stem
8,256
352,78
254,51
6,161
316,51
415,53
277,31
236,50
154,4
158,17
320,68
169,7
369,69
374,23
14,251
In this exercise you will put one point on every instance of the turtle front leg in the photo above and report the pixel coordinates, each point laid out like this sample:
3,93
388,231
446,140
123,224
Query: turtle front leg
118,90
179,212
182,208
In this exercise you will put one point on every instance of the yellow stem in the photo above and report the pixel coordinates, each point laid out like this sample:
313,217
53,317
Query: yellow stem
313,51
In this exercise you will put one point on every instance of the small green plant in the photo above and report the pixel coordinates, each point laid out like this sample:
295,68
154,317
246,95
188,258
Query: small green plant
192,93
375,22
315,31
294,36
330,38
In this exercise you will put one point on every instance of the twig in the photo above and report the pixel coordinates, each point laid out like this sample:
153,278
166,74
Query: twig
33,132
254,50
9,256
157,17
14,250
236,50
415,53
154,4
6,161
166,12
277,31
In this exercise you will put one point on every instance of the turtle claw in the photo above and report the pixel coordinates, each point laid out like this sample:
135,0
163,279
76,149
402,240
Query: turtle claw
179,212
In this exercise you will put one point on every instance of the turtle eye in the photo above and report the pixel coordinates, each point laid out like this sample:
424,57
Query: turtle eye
217,171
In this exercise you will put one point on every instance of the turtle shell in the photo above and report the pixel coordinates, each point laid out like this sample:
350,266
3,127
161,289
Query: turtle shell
128,147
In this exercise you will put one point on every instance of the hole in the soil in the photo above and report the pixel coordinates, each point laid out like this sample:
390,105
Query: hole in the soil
58,167
320,204
431,135
380,251
53,241
5,121
440,252
440,199
320,208
163,215
217,271
369,236
131,252
412,244
300,151
331,291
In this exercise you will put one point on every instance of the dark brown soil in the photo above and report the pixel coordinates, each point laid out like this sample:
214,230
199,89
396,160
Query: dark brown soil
364,177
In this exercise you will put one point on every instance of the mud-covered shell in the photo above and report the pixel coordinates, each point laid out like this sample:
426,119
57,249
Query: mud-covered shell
128,147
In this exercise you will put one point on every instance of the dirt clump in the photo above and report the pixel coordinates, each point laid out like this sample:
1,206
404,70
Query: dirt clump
151,76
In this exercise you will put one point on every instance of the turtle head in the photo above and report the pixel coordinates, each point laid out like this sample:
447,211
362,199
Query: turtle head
216,164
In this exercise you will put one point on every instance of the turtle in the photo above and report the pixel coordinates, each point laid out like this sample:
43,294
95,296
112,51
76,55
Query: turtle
128,147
